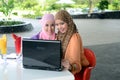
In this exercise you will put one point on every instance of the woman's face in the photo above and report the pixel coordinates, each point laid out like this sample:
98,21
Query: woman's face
49,27
61,26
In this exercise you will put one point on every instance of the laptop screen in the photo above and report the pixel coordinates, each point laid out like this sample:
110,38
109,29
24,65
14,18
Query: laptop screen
42,54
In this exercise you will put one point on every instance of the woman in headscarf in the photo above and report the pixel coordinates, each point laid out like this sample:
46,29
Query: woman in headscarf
72,48
48,28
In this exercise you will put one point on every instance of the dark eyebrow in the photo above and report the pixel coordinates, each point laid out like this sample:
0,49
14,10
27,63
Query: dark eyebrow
46,24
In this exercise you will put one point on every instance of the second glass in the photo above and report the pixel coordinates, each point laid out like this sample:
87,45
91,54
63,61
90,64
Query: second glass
18,47
17,43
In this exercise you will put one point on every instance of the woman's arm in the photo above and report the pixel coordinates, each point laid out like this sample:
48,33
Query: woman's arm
73,53
35,36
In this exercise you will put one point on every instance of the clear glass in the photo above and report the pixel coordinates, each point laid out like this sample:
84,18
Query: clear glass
3,48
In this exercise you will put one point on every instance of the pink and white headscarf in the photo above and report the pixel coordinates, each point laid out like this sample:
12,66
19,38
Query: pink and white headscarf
43,34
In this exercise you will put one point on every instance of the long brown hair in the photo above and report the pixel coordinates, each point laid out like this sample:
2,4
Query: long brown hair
65,37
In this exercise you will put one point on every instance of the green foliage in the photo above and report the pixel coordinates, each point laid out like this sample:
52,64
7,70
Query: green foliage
7,23
29,16
53,7
29,4
39,7
116,4
37,12
81,2
103,4
7,6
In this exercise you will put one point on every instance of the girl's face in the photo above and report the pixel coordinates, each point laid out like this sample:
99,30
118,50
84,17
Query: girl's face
49,27
61,26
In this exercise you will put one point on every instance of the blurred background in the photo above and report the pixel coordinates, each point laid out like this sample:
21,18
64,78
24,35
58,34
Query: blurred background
36,8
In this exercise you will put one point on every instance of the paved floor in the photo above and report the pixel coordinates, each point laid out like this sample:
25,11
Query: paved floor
108,61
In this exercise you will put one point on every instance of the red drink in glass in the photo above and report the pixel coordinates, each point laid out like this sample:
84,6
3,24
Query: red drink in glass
18,45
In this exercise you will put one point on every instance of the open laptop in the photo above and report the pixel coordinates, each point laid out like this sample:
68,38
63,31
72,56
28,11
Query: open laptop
42,54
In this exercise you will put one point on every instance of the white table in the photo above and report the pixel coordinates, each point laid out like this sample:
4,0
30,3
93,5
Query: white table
15,71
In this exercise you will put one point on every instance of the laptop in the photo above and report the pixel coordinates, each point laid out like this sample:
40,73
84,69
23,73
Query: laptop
42,54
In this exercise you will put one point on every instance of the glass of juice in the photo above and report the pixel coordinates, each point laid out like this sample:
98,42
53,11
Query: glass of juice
17,43
18,47
0,44
3,48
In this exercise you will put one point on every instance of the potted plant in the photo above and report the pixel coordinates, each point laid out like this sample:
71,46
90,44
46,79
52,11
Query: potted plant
7,25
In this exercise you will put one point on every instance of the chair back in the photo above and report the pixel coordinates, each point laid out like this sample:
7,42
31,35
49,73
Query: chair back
85,73
90,55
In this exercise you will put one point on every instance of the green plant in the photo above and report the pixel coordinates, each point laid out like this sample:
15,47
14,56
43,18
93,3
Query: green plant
53,7
103,4
7,23
29,4
115,4
7,7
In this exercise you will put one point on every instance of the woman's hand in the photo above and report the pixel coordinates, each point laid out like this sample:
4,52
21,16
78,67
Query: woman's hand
66,64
